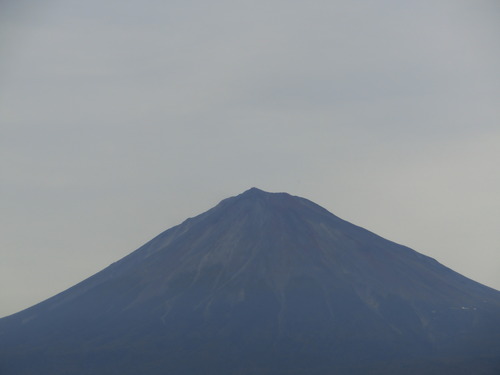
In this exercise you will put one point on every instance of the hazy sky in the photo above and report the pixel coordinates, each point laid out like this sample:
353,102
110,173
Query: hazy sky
119,119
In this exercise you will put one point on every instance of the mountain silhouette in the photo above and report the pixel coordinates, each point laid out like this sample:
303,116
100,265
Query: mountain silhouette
263,283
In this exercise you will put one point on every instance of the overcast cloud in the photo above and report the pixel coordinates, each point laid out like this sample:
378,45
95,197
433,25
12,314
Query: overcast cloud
119,119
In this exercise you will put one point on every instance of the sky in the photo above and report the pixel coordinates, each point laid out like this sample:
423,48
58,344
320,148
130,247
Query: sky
120,119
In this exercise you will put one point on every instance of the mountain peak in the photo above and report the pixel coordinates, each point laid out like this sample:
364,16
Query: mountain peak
255,192
257,195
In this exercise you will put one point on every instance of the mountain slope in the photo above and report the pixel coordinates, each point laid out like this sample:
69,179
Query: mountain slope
263,283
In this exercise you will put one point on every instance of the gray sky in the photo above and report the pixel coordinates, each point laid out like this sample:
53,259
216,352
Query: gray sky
119,119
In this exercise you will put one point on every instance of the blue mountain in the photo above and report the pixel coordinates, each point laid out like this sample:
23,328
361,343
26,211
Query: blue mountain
262,284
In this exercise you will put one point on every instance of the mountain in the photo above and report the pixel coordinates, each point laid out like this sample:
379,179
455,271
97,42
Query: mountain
262,284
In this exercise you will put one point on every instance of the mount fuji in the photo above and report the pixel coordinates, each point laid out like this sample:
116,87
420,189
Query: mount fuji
262,284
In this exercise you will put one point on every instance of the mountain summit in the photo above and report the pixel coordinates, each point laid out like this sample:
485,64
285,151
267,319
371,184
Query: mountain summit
263,283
